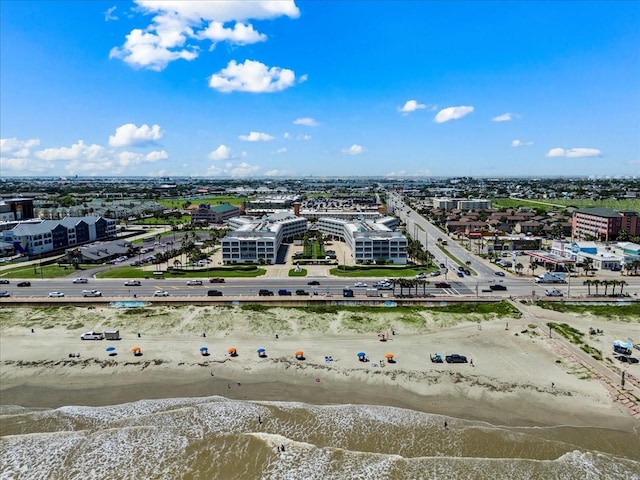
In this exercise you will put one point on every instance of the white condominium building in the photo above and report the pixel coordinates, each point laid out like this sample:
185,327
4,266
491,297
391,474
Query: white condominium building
254,240
368,240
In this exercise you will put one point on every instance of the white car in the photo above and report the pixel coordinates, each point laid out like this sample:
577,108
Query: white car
194,282
553,293
91,293
132,283
359,284
160,293
56,294
80,280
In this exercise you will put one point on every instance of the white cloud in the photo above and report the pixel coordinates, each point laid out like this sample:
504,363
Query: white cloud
505,117
279,173
452,113
240,34
304,137
156,156
251,76
221,153
574,152
403,173
243,170
281,150
178,26
14,147
354,150
108,15
306,121
256,137
411,106
128,135
520,143
287,135
77,151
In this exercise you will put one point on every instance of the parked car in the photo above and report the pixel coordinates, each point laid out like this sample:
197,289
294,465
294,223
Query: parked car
4,281
421,275
313,282
23,284
216,280
4,294
91,293
265,293
132,283
160,293
56,294
214,293
443,285
625,359
80,280
194,282
284,292
467,272
455,358
435,273
500,274
553,292
302,292
92,336
497,287
460,274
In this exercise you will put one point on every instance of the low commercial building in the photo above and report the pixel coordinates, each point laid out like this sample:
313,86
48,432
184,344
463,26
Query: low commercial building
207,214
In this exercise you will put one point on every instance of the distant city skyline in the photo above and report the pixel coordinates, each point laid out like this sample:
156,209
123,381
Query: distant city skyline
229,89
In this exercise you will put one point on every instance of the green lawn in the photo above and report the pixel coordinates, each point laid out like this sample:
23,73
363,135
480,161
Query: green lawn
301,273
177,202
378,271
46,271
225,272
562,203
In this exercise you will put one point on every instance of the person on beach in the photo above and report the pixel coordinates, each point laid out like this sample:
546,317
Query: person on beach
446,425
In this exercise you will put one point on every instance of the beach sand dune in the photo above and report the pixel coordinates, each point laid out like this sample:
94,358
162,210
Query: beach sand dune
516,376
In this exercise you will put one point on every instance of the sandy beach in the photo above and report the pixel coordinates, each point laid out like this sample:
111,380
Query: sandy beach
516,377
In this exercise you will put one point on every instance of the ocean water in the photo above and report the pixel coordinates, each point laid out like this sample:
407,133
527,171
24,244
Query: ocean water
217,438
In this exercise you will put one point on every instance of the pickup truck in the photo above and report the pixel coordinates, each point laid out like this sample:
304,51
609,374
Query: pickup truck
92,336
455,358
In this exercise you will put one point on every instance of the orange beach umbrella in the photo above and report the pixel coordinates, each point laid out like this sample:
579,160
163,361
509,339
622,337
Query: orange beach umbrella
136,349
299,353
231,349
389,355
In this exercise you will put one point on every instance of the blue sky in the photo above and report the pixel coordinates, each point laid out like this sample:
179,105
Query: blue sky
325,88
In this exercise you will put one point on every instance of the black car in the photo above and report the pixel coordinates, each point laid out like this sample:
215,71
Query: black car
214,293
497,287
443,285
302,292
5,294
23,284
500,274
265,293
455,358
313,282
4,281
625,359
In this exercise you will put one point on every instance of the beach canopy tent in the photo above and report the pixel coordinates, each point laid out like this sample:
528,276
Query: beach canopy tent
388,355
299,353
232,350
621,344
110,349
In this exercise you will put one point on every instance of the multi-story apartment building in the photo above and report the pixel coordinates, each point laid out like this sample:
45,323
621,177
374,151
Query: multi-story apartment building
368,240
254,240
51,235
604,224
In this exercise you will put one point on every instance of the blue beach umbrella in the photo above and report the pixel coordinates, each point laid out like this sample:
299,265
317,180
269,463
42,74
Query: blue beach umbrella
362,354
110,349
204,349
261,350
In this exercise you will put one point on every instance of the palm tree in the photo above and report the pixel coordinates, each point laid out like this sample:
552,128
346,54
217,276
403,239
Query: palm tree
177,264
588,283
628,267
596,283
533,267
519,268
622,283
606,284
424,286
